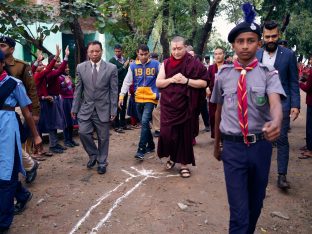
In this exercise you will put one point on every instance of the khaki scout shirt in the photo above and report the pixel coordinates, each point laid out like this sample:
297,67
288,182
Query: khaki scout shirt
22,71
261,81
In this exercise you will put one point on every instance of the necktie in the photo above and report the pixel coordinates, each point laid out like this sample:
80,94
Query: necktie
94,75
242,105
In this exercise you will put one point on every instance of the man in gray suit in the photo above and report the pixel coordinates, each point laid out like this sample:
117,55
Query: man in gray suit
95,104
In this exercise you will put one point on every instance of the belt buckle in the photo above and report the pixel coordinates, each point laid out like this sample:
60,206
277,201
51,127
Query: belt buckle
253,137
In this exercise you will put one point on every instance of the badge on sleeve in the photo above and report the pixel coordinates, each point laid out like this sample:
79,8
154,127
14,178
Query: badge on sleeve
260,100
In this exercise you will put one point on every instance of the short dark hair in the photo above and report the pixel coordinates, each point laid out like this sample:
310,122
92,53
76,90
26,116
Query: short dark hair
143,47
94,43
227,56
220,48
207,57
270,25
118,47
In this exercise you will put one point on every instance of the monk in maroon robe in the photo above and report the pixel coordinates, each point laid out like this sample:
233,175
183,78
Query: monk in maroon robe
182,80
212,71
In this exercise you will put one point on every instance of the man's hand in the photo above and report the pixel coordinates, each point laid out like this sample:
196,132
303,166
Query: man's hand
73,115
294,113
217,152
58,51
38,143
208,92
271,130
112,117
66,51
120,103
49,98
126,63
36,119
179,79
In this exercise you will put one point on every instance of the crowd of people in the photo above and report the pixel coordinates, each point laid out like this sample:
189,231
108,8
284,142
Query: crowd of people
246,101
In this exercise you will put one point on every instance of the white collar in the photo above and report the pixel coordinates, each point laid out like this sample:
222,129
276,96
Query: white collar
97,64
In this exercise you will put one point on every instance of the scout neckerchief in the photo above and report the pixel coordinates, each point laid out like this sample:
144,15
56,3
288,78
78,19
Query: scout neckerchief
242,105
3,75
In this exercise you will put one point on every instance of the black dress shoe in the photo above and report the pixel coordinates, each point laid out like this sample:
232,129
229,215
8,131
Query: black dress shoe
127,128
74,143
32,174
56,150
21,206
69,144
60,147
91,163
282,182
101,169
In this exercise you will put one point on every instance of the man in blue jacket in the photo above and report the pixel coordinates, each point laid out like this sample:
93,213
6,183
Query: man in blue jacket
284,60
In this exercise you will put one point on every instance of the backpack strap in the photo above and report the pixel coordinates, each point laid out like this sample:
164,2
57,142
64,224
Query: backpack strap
6,89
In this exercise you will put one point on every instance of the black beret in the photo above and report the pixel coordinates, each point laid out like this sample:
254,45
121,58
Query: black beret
1,56
242,28
8,40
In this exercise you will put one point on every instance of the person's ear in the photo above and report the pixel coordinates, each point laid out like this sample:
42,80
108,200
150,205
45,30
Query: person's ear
232,45
259,44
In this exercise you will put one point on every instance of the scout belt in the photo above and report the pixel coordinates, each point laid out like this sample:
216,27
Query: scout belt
252,138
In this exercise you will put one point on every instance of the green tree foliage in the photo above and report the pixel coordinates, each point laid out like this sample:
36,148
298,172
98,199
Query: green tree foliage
293,16
131,22
16,16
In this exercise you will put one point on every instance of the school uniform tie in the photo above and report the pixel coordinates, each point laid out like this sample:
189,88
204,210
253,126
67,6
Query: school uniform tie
242,101
94,75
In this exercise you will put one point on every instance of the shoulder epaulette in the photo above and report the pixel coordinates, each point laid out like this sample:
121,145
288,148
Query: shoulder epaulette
225,67
21,61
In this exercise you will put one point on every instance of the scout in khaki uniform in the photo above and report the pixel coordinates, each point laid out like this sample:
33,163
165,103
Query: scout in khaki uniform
248,118
22,71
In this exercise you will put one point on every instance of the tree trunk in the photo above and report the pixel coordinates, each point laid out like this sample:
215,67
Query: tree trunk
206,30
154,18
164,32
80,53
194,19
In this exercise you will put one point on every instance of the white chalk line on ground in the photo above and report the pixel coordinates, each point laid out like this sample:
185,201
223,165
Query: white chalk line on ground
146,173
99,201
116,203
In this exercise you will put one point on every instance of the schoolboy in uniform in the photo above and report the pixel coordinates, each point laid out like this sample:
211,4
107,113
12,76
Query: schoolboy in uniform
248,118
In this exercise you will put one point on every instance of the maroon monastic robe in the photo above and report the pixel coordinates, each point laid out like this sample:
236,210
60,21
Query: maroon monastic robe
180,107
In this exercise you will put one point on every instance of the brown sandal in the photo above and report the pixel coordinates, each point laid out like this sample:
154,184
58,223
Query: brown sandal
185,172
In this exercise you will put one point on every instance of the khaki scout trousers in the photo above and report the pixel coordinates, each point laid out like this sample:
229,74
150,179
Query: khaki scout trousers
28,162
156,118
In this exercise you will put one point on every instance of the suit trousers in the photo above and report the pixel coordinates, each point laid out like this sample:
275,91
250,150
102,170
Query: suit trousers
283,145
120,120
246,170
86,128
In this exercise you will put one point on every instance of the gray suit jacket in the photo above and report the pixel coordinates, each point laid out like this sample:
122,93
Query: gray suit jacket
103,98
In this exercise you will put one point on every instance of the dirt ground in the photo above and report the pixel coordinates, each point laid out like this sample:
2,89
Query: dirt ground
135,197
